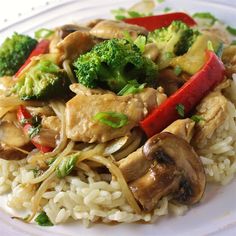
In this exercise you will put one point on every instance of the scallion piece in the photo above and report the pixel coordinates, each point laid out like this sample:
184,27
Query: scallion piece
180,109
43,220
43,33
66,166
231,30
113,119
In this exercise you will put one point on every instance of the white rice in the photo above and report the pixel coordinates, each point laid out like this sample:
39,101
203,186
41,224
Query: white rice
91,200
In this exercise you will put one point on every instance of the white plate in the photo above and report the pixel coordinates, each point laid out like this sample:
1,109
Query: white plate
217,212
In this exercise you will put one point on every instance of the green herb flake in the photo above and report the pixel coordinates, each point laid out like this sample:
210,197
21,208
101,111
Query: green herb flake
180,109
43,220
177,70
160,1
197,118
231,30
205,15
134,14
34,130
167,9
66,166
233,42
43,33
113,119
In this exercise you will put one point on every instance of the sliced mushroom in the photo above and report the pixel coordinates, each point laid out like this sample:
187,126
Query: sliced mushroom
168,149
65,30
109,29
12,137
159,181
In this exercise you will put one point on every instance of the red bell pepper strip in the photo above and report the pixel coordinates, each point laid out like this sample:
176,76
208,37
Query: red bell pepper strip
189,95
155,22
24,117
41,48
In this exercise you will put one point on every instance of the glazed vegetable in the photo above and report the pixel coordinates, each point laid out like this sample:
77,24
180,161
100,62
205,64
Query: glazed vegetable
172,41
41,48
155,22
188,95
43,80
13,53
113,64
31,127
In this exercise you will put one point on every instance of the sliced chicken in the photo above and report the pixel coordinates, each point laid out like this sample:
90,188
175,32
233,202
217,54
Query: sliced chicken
82,90
182,128
213,110
109,29
81,109
75,44
51,122
229,60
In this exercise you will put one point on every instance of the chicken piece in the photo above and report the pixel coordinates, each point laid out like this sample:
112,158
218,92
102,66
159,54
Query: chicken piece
82,90
80,110
218,32
109,29
229,60
12,137
182,128
75,44
51,122
213,110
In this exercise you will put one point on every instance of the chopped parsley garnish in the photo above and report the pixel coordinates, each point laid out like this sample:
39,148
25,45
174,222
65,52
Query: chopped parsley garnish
34,130
43,220
180,109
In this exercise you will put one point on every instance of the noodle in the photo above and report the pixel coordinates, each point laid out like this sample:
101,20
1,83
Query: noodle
59,109
54,165
66,67
120,178
41,190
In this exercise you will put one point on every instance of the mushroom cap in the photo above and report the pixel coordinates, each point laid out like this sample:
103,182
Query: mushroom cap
168,148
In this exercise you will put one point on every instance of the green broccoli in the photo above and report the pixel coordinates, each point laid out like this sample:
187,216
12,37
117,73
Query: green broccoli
13,53
113,64
44,79
172,41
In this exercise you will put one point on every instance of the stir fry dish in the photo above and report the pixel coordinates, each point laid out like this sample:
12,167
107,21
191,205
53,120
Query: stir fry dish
117,120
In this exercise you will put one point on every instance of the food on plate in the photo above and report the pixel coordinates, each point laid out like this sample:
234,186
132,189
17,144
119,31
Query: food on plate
117,120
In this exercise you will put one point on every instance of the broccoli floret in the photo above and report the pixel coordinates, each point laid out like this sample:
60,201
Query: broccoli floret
112,64
43,80
172,41
13,53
